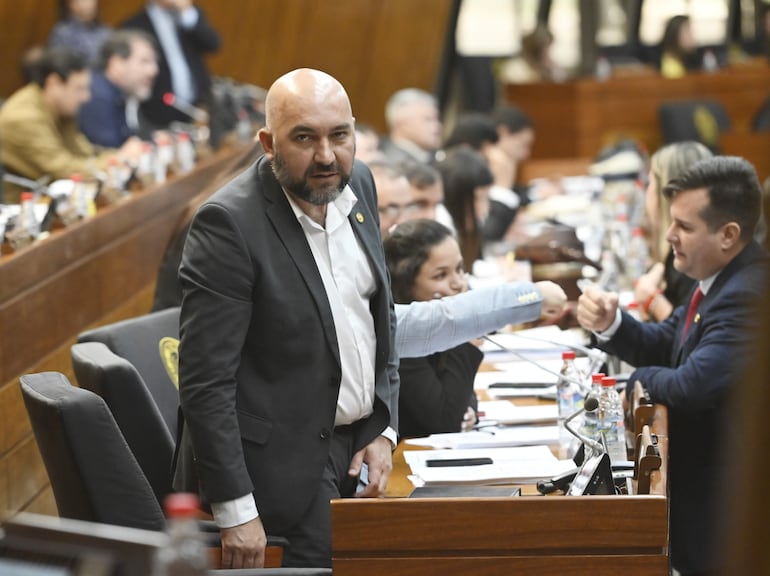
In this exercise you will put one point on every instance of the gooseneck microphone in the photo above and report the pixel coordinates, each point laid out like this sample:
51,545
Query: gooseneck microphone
197,114
590,404
563,481
596,356
582,385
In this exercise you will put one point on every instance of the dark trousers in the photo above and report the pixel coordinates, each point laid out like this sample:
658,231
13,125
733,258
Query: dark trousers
310,542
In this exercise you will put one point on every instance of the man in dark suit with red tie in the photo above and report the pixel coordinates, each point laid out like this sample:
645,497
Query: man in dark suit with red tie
288,378
690,361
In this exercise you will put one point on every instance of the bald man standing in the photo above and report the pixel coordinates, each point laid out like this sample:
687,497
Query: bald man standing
288,377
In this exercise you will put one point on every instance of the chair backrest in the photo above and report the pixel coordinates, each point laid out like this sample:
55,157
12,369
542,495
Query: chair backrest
117,381
93,474
699,120
146,342
761,120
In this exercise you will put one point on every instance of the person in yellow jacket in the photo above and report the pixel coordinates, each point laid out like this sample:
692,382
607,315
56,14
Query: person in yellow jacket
39,134
677,48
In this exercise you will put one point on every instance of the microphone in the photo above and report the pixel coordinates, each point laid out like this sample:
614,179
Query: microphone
590,404
582,385
596,356
197,114
563,481
560,482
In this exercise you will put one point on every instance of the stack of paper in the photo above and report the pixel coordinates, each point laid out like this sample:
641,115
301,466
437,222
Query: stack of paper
508,465
536,378
504,413
491,438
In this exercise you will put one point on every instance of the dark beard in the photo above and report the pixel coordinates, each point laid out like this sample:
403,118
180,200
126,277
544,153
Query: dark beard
299,186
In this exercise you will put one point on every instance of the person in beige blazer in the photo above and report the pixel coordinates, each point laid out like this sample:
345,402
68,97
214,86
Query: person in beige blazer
39,135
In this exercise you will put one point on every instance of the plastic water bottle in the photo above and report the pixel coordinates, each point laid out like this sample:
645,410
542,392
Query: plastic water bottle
710,63
185,153
568,393
603,68
637,256
27,218
591,419
185,554
611,421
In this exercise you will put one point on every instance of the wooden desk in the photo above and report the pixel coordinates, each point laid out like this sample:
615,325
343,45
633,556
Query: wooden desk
554,535
94,272
576,119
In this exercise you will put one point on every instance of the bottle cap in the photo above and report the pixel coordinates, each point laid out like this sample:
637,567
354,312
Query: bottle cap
597,378
637,232
181,505
27,196
608,381
76,177
568,355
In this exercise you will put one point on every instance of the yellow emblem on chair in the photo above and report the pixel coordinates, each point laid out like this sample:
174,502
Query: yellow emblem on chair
169,356
706,126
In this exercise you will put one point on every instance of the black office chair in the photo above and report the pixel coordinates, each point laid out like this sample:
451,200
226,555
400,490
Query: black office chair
132,366
761,120
94,476
133,407
148,342
699,120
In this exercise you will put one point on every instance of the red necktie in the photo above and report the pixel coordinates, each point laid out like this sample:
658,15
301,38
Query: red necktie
694,303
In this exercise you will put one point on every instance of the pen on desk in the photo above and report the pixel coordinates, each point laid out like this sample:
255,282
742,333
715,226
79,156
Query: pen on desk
457,462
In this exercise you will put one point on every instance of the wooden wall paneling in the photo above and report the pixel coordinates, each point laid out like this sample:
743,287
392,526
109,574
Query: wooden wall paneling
405,52
15,424
43,503
373,47
24,24
3,487
26,474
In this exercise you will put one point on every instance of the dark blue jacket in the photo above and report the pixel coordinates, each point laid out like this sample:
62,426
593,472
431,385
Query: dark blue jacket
103,118
693,378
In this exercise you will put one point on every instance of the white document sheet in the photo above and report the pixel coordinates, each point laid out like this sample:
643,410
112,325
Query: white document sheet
523,374
509,465
506,413
491,437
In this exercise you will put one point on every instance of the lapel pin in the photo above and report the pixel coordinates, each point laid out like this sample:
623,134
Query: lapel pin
697,317
360,217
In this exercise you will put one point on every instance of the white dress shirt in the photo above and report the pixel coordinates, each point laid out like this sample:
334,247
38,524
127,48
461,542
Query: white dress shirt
349,284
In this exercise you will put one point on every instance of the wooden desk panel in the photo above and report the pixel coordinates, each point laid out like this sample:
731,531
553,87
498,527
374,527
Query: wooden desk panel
593,534
551,535
97,271
577,118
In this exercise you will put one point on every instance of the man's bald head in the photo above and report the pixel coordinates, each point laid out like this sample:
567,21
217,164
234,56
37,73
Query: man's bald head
299,88
309,135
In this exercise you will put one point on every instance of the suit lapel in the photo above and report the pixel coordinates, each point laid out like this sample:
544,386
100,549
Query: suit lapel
748,255
290,232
